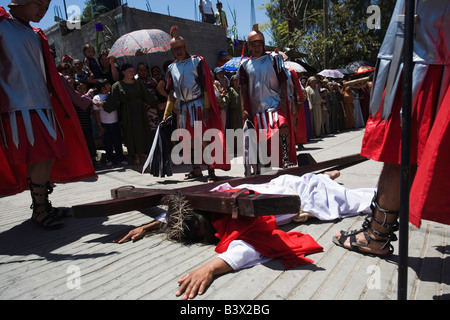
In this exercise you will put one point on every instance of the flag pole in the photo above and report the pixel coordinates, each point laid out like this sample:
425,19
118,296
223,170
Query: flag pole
406,149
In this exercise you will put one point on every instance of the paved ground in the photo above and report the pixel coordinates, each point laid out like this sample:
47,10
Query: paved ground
80,261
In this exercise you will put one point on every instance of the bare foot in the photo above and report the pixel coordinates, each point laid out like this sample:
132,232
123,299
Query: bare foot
333,174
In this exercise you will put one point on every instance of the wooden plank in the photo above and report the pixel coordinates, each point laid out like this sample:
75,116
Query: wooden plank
128,198
246,204
311,166
115,206
252,205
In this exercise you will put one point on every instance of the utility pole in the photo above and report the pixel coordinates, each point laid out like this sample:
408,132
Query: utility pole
326,58
65,9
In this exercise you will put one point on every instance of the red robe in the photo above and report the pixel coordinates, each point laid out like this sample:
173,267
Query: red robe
77,164
264,235
215,121
300,133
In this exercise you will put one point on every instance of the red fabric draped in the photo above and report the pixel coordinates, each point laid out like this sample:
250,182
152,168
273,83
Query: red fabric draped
429,199
215,122
264,235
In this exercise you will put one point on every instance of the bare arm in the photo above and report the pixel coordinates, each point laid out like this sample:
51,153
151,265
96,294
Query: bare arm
244,96
114,71
139,232
195,282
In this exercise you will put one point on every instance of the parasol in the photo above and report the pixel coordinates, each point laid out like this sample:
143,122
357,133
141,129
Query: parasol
331,73
346,72
294,66
141,42
364,69
233,64
356,64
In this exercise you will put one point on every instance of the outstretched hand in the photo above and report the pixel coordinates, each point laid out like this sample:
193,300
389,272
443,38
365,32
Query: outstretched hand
133,235
197,281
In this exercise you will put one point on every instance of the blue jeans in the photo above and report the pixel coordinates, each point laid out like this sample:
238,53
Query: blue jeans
112,139
210,18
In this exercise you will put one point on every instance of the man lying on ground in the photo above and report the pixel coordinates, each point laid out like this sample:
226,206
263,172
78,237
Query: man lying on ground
249,241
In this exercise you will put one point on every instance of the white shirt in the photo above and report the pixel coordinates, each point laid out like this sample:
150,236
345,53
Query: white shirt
105,117
207,6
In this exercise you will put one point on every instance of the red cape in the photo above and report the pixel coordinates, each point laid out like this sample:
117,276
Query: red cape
215,121
264,235
429,198
77,165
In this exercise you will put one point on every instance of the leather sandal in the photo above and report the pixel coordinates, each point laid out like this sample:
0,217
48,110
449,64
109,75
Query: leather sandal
385,238
43,213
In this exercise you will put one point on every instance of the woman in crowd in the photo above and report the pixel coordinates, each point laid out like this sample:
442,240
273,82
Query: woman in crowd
110,70
129,96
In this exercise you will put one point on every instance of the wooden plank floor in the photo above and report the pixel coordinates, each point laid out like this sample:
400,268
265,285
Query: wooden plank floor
80,261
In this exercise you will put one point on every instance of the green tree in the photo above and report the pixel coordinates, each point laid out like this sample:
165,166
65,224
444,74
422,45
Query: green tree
331,40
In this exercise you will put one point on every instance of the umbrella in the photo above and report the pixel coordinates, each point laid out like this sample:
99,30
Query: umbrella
233,64
346,72
141,42
356,64
294,66
364,69
331,73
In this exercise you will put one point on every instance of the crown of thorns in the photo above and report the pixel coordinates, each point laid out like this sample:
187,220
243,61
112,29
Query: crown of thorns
181,220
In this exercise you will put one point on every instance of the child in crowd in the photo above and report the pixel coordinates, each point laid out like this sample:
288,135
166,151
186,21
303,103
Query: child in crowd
90,63
109,127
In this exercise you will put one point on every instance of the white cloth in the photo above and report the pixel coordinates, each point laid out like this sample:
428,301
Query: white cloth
105,117
319,195
241,255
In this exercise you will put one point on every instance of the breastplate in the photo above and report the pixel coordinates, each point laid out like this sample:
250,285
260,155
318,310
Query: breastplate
23,80
185,79
263,85
22,72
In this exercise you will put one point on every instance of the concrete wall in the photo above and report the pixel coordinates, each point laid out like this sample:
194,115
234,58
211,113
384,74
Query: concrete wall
202,39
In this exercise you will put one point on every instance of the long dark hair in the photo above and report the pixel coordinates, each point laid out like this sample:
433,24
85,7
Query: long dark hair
183,224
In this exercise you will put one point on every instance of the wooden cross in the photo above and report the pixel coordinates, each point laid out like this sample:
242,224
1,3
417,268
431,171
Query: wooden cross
128,198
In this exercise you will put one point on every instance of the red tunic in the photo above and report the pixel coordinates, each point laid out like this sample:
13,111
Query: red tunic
430,145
